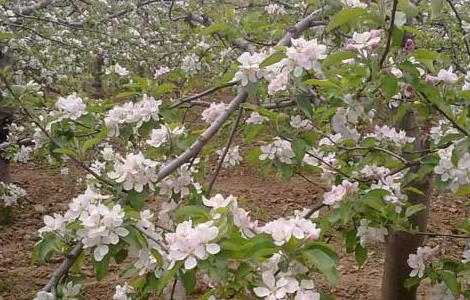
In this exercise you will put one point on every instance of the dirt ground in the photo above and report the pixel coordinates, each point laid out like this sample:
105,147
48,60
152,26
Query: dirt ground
49,192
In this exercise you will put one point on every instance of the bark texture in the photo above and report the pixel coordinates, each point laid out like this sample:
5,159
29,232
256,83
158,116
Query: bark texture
400,244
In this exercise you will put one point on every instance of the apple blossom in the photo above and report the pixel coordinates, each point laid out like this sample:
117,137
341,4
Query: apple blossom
368,234
256,118
273,288
249,69
189,244
101,227
213,112
417,261
71,106
339,192
232,158
134,171
278,149
122,292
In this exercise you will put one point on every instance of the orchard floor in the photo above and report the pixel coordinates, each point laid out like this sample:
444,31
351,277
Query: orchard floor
49,192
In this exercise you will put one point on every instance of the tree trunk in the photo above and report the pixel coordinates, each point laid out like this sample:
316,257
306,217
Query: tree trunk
97,85
400,244
5,119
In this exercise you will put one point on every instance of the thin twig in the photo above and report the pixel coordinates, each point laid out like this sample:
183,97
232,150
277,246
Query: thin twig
317,207
204,93
225,151
375,149
454,123
390,31
459,19
449,235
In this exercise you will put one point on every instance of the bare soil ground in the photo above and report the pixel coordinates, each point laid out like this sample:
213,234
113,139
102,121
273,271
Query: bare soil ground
49,192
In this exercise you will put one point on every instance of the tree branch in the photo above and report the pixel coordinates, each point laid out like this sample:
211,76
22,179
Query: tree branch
225,151
390,31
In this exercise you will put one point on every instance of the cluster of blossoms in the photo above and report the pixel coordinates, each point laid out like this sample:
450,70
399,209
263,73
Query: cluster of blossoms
441,129
283,229
191,64
364,42
455,175
123,292
161,71
339,192
249,69
278,149
13,149
417,261
134,171
387,182
161,135
71,107
275,9
256,119
232,158
132,113
10,193
120,70
277,284
298,123
69,291
101,227
370,235
448,77
179,183
78,207
390,135
302,55
210,114
190,243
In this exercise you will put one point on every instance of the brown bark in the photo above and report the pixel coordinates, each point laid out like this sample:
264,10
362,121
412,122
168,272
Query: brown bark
400,244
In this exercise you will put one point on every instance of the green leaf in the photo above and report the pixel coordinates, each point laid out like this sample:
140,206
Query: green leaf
336,58
411,210
101,267
136,200
299,147
65,151
322,83
134,238
303,101
5,36
44,248
324,263
389,85
414,190
463,191
360,254
451,282
412,281
197,213
189,281
166,277
345,16
272,59
436,8
125,95
350,240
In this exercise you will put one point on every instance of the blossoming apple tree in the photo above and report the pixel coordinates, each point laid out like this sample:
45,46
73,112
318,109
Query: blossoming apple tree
372,97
